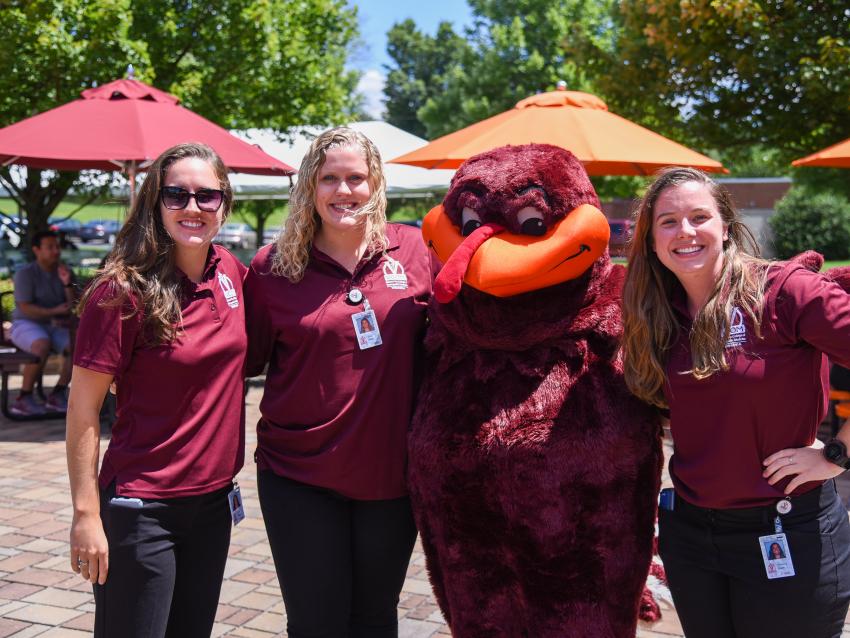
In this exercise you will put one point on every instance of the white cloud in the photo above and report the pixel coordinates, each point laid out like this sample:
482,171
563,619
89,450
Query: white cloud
371,87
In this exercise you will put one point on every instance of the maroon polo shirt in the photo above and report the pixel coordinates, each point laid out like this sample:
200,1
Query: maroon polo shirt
180,419
773,396
334,415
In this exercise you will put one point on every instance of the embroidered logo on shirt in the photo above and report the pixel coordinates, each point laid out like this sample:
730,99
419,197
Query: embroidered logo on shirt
394,274
738,330
228,290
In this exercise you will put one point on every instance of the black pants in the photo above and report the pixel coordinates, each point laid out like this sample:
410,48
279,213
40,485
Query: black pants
718,580
340,562
166,564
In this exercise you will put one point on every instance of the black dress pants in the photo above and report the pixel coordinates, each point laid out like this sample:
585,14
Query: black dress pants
166,564
340,562
717,575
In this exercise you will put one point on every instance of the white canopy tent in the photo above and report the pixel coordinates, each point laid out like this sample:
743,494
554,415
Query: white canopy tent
402,181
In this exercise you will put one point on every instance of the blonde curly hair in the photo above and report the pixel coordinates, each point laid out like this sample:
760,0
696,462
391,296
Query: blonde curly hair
300,228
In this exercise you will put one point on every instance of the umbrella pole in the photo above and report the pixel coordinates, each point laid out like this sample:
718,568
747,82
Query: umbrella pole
131,174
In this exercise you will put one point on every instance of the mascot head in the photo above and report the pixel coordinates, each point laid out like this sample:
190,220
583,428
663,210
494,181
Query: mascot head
516,219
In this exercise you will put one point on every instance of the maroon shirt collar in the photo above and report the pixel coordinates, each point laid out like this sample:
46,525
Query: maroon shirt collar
213,259
391,234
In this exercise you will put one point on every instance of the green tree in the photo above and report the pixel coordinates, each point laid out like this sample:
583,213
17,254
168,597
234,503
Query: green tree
239,63
812,220
518,48
730,74
418,72
51,51
256,212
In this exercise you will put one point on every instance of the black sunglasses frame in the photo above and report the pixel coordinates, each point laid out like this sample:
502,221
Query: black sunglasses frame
177,191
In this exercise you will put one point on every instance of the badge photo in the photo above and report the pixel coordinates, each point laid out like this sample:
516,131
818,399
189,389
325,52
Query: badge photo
234,501
776,556
366,329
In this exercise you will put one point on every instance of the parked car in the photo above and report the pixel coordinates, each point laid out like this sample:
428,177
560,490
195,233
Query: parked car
103,230
12,229
270,235
67,228
621,234
236,235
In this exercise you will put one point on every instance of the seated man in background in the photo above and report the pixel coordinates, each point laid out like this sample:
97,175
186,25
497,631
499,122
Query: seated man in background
44,295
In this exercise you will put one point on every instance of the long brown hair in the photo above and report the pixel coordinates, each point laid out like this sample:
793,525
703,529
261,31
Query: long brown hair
302,224
142,263
649,326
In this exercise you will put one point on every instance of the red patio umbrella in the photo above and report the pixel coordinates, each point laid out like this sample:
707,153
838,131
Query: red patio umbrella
123,125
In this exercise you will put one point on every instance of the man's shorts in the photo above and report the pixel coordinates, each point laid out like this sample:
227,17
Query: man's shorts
24,332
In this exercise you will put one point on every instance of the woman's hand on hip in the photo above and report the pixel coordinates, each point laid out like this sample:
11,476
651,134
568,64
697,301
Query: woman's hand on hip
805,464
89,548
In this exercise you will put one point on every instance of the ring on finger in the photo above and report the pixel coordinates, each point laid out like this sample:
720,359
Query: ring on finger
81,562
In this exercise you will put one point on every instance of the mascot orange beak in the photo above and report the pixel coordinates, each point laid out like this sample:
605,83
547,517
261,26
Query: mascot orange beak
503,264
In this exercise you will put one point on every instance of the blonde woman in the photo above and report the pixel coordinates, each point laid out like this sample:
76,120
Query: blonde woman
734,346
338,398
165,321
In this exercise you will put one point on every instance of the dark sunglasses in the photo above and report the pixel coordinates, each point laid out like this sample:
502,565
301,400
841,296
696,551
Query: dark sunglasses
175,198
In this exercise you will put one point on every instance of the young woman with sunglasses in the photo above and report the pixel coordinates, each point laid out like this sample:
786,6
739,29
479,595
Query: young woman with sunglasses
338,398
756,542
164,320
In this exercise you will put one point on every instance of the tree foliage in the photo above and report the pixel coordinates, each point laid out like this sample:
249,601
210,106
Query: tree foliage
729,74
256,212
755,82
419,72
515,48
812,220
239,63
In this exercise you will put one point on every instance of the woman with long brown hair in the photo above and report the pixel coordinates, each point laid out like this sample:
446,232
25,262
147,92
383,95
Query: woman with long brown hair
733,345
331,441
164,320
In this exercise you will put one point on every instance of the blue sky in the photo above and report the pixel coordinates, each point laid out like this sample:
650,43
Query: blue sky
376,17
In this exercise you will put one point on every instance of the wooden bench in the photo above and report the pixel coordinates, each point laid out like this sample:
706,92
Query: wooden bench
11,360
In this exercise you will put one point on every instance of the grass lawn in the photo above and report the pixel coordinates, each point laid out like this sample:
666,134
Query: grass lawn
116,210
92,211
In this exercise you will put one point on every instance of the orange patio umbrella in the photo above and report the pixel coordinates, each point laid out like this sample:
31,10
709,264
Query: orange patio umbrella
606,143
837,155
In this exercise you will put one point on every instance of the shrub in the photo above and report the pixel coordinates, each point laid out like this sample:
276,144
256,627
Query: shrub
809,220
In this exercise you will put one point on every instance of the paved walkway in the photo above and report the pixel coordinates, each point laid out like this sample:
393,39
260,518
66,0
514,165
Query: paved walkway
40,596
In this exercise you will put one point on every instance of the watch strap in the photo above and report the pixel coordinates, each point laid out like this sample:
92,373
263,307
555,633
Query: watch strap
836,452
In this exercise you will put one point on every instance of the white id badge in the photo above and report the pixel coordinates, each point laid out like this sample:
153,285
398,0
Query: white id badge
776,556
234,499
366,329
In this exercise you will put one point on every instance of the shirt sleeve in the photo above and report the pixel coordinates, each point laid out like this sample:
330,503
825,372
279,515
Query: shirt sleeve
258,325
814,310
106,335
24,286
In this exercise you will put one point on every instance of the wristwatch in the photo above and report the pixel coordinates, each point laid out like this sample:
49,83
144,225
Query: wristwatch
836,452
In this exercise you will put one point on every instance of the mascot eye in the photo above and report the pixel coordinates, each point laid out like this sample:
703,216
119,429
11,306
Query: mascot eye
534,227
470,220
531,222
469,227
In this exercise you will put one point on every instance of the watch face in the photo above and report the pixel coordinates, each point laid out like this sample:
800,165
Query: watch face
831,451
834,452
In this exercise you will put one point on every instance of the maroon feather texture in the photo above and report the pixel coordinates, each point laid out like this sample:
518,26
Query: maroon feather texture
533,471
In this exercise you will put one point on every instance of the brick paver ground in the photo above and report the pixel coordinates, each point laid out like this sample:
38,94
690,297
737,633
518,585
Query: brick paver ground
40,596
